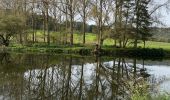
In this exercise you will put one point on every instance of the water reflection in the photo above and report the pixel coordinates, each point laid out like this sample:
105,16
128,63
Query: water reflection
59,77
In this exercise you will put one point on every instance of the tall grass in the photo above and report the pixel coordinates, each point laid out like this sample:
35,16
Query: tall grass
142,92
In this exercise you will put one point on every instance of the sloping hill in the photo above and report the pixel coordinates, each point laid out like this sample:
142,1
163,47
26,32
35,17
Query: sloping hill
161,34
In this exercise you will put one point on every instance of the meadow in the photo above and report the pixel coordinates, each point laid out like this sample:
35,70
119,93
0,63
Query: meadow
91,39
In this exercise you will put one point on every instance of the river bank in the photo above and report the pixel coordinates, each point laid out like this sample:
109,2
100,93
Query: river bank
89,50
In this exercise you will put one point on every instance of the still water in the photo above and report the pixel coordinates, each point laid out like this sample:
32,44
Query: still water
61,77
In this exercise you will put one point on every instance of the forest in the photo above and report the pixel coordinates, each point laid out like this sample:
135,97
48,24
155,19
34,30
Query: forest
123,22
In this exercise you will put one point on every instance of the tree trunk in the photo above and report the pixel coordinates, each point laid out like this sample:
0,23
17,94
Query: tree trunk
66,25
5,41
84,21
20,36
33,23
47,28
100,24
71,22
115,25
144,43
44,21
125,32
137,24
135,43
71,27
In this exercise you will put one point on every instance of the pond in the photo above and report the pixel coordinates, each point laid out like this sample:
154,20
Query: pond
56,77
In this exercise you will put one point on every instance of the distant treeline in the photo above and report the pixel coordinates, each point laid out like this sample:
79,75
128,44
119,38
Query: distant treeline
160,34
78,26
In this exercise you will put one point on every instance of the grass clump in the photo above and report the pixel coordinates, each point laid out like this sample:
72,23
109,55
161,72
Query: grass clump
142,92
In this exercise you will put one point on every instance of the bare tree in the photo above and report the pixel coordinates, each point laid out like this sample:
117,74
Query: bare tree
84,11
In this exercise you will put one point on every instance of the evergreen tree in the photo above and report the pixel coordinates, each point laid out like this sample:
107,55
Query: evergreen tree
141,20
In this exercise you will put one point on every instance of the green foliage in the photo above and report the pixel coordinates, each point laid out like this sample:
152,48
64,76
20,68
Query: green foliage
161,97
137,96
9,26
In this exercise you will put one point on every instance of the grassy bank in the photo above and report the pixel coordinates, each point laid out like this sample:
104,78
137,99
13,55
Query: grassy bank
88,50
153,49
57,38
91,38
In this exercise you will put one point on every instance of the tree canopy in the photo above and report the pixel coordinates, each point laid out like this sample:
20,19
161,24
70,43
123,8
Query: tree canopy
124,21
9,26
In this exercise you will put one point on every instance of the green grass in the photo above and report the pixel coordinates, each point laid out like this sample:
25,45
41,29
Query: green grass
91,39
152,44
148,97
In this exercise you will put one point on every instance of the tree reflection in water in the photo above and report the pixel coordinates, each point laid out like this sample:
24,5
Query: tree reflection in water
59,77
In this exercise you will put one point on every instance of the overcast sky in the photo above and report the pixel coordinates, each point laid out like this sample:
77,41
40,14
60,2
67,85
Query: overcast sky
165,16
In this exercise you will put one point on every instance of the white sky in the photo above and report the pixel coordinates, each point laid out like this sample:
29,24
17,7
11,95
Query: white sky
164,16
